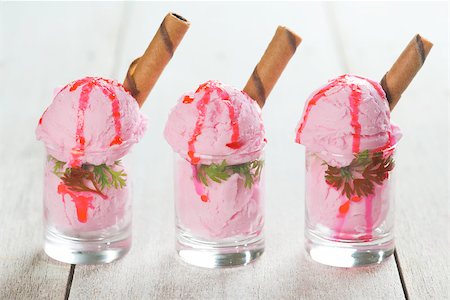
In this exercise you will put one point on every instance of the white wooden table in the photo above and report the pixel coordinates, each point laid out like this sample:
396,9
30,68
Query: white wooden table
44,45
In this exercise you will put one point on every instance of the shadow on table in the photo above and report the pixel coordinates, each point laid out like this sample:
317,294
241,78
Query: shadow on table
305,278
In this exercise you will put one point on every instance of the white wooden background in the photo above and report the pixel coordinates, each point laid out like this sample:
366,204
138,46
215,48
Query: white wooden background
44,45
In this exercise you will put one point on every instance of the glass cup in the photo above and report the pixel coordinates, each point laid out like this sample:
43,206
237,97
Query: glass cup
219,209
87,210
350,207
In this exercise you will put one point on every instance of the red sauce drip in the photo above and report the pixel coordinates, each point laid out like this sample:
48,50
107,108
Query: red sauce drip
116,141
204,198
390,141
80,82
234,144
82,203
78,150
355,100
40,120
321,93
312,103
187,99
343,209
203,87
201,106
355,198
84,99
115,106
208,88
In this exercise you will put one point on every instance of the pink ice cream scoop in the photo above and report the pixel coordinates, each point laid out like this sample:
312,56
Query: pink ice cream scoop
89,127
217,128
348,115
91,120
346,130
216,120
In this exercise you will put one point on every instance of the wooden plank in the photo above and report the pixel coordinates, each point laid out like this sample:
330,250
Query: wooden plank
371,46
225,42
43,46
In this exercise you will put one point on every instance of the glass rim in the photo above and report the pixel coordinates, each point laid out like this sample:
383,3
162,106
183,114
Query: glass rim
385,150
209,156
123,146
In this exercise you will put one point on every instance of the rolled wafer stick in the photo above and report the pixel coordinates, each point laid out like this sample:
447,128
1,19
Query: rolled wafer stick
145,70
397,79
268,70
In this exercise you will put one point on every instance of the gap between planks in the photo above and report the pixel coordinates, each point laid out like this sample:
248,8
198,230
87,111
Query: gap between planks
69,281
334,27
117,54
400,274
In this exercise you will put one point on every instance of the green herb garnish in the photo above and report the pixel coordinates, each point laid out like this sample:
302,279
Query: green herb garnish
107,177
221,172
359,178
101,176
58,167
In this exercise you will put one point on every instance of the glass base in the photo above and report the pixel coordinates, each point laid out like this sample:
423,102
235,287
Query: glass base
348,254
86,251
219,254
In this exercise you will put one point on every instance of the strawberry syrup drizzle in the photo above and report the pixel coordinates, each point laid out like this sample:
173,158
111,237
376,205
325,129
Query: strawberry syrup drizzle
208,88
313,102
78,150
234,144
390,141
82,203
115,106
42,116
201,107
355,101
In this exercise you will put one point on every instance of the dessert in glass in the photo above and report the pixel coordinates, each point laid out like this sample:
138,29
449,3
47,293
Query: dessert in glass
218,138
88,131
350,163
349,197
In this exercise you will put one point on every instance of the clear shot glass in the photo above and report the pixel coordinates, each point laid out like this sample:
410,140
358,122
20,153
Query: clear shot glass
87,210
350,207
219,210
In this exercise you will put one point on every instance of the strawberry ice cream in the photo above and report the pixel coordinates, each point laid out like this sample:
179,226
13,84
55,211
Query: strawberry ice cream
218,134
91,120
350,142
87,130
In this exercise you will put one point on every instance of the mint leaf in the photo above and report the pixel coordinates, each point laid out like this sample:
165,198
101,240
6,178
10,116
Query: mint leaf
361,175
251,171
102,176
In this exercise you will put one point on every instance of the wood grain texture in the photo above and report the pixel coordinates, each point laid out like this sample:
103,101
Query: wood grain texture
42,46
152,270
422,214
225,42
